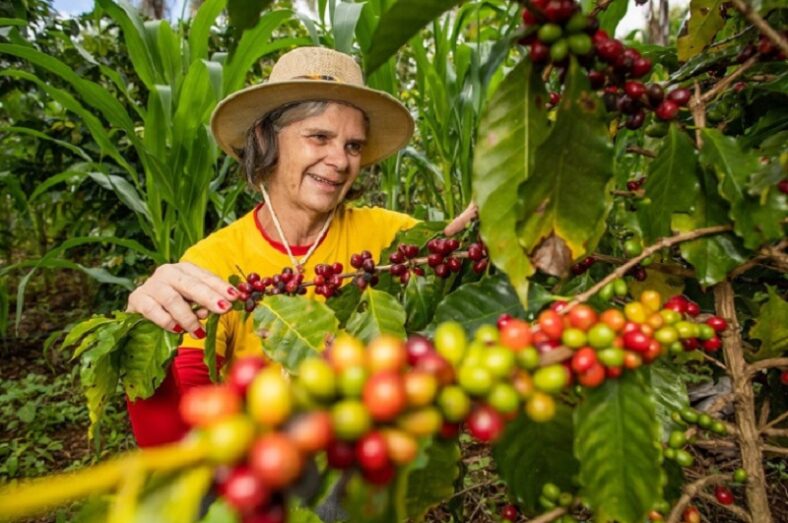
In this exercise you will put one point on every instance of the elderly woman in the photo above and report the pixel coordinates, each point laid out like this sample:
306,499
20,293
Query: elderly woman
302,139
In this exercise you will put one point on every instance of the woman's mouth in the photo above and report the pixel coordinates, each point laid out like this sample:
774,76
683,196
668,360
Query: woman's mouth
324,181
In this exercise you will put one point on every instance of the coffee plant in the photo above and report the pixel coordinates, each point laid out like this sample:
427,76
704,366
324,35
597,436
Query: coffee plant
631,233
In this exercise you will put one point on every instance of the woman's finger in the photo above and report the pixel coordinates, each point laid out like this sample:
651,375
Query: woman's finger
220,286
147,306
459,223
181,312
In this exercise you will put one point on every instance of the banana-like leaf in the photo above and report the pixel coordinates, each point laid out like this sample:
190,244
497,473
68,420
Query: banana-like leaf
513,125
200,30
398,24
293,328
128,18
618,445
377,313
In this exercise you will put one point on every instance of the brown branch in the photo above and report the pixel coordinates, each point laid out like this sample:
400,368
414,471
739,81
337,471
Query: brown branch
782,417
549,516
690,491
765,29
639,150
777,433
648,251
713,361
723,84
775,450
744,403
640,193
766,252
666,268
698,107
770,363
733,509
600,6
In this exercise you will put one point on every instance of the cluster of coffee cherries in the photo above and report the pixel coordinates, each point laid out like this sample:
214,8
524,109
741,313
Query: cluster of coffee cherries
556,28
365,263
678,439
402,264
694,335
253,287
634,98
328,279
583,265
765,48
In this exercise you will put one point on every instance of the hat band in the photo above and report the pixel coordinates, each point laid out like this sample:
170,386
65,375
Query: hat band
323,77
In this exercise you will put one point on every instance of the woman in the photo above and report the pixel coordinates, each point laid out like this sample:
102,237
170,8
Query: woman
302,138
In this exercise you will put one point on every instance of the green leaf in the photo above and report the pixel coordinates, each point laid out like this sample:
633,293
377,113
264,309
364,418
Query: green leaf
474,304
617,444
431,477
377,313
670,393
209,355
756,221
398,24
568,195
293,328
512,126
530,454
672,185
175,498
200,30
612,15
345,303
422,296
713,256
704,23
771,326
81,329
245,14
146,351
346,16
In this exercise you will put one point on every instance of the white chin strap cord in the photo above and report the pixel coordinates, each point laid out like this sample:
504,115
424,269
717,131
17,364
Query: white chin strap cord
297,264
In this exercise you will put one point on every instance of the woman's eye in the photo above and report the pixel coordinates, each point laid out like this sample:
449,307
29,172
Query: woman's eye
320,137
354,148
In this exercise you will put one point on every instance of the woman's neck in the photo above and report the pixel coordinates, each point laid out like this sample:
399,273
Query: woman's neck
300,226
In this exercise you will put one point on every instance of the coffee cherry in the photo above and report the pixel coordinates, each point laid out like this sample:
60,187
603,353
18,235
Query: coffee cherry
746,53
580,44
680,96
356,261
396,257
555,98
475,252
635,90
723,495
549,33
529,18
243,491
740,475
559,50
609,50
691,515
485,424
784,377
596,79
640,67
340,454
509,512
782,186
667,110
480,266
434,259
635,120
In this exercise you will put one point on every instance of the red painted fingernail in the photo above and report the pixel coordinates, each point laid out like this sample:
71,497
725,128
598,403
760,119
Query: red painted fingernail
232,292
223,304
199,333
178,329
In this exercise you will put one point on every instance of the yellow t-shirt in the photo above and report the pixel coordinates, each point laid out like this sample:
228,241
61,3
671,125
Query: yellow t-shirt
244,244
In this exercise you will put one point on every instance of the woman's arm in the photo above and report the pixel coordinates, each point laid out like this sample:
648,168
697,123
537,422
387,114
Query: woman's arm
168,296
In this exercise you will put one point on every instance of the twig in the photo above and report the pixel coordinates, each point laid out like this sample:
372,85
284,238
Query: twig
666,268
744,402
765,29
549,516
723,84
775,450
775,421
648,251
698,107
639,150
733,509
690,491
600,6
777,433
764,253
758,366
640,193
476,486
713,361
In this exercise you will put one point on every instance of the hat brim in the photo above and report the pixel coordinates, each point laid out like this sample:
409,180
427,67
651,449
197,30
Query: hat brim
390,123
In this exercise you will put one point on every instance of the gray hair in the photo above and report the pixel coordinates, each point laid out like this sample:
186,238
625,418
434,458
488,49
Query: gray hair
261,150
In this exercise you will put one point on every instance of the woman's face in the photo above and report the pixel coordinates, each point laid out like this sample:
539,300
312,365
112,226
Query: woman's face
320,158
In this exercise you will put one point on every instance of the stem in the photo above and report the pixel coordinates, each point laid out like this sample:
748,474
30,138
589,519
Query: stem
723,84
666,268
690,491
744,401
639,150
758,366
775,421
648,251
38,495
765,29
733,509
549,516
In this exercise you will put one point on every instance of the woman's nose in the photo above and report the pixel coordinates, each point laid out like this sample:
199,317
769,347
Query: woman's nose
338,157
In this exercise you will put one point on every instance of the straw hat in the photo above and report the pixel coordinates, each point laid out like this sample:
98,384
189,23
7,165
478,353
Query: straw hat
314,73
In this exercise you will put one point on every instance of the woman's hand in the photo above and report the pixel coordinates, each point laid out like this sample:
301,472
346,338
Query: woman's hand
459,223
166,298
